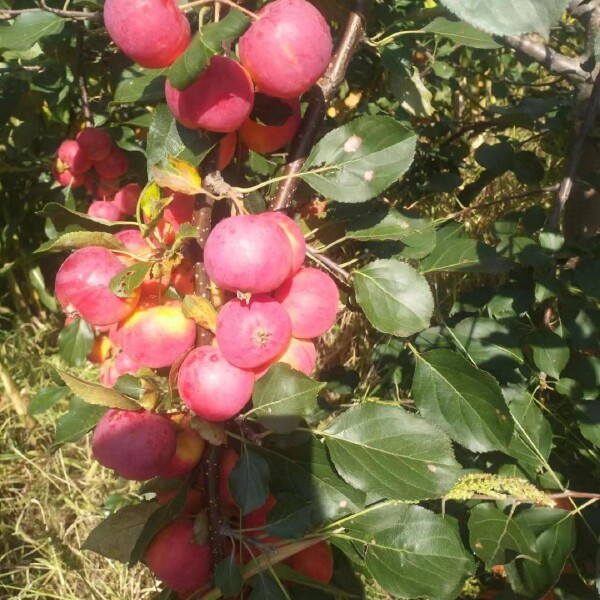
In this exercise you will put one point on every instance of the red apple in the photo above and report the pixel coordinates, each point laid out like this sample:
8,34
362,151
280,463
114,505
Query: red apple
106,210
294,235
137,445
311,299
253,333
127,197
219,100
94,143
115,165
211,387
315,562
73,158
153,33
287,49
299,354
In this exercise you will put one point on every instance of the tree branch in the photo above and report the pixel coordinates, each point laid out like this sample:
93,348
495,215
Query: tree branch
314,254
566,185
321,95
557,63
67,14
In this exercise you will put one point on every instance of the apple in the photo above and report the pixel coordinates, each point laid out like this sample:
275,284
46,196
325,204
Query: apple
137,445
127,198
219,100
115,165
176,560
104,209
314,562
311,299
94,143
211,387
252,333
248,253
100,350
188,452
82,287
65,177
294,235
287,49
153,33
299,354
226,150
156,335
73,158
263,138
122,364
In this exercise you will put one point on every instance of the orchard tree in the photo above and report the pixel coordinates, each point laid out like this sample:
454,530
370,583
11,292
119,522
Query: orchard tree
338,264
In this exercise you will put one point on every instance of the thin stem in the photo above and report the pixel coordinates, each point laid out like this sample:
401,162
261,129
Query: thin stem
85,99
390,38
67,14
229,3
567,183
328,263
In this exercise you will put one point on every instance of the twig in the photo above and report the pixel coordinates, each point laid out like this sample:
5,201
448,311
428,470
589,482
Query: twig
229,3
542,53
85,99
215,518
327,262
321,95
566,185
67,14
557,496
461,213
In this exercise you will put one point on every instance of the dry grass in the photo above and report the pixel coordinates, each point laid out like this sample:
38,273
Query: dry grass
50,501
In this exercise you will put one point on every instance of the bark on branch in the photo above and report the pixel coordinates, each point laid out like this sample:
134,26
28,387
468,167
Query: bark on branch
322,93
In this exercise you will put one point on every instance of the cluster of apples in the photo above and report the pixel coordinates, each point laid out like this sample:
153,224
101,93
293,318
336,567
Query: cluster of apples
281,56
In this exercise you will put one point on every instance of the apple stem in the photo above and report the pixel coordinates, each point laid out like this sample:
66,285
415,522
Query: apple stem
321,95
229,3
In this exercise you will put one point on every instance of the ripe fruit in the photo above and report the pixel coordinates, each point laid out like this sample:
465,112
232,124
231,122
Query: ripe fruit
105,190
156,335
294,234
153,33
127,197
176,560
82,287
71,156
315,562
211,387
66,177
182,279
257,520
103,209
94,143
137,445
248,254
287,49
133,241
122,364
115,165
253,333
311,298
228,462
194,501
219,100
188,452
226,150
300,355
100,350
264,138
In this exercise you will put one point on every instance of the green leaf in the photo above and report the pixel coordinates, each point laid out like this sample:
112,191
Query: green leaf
116,536
306,471
389,451
464,401
46,398
94,393
464,255
228,576
82,239
290,518
461,33
492,345
394,297
205,44
389,224
249,482
29,28
496,538
588,416
421,555
80,418
75,342
550,353
62,217
532,439
363,158
414,97
167,138
267,587
147,87
555,540
124,283
509,17
283,397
